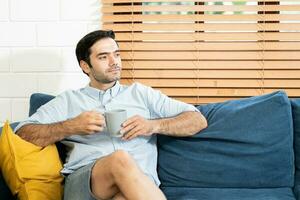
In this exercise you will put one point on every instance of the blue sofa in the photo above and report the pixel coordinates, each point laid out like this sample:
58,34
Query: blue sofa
250,151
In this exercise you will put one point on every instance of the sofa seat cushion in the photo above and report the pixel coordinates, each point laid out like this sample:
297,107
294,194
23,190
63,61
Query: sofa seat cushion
179,193
248,144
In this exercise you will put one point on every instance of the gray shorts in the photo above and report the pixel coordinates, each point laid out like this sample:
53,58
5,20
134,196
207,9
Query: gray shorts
78,184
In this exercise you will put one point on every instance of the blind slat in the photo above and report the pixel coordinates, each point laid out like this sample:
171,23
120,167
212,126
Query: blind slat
144,1
214,64
204,100
183,92
207,27
207,99
212,83
197,17
222,55
288,36
211,8
208,46
234,74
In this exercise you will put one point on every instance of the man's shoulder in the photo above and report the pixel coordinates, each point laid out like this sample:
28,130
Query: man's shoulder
71,92
67,96
140,86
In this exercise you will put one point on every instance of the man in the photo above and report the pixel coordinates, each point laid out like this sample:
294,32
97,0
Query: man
99,166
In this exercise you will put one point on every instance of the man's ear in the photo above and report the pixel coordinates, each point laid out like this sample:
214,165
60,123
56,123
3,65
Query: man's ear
85,66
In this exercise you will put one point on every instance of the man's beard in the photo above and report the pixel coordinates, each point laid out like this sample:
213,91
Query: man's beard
103,79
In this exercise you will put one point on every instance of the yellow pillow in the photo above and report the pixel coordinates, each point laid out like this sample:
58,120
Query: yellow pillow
30,171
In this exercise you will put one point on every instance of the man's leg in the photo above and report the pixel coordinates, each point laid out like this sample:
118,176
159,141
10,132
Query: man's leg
119,196
78,184
118,173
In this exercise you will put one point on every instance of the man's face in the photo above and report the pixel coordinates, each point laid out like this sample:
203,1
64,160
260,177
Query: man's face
105,61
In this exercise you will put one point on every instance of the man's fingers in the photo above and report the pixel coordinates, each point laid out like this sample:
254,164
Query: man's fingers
99,122
133,133
94,129
130,120
129,127
90,122
98,115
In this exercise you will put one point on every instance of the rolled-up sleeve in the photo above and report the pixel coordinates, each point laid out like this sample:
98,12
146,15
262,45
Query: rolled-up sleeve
161,105
51,112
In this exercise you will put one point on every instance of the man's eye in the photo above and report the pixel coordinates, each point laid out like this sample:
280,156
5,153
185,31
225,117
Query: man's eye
102,57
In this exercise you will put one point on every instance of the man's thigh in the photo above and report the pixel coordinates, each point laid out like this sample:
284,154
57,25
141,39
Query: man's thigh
78,184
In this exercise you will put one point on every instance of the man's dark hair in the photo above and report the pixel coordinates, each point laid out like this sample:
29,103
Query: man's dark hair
83,48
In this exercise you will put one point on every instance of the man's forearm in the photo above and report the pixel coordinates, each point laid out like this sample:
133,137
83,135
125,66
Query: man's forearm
185,124
88,122
45,134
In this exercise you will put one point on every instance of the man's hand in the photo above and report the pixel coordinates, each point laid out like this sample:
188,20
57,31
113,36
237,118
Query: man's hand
137,125
89,122
183,125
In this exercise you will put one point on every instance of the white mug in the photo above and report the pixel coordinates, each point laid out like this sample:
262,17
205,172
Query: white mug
114,120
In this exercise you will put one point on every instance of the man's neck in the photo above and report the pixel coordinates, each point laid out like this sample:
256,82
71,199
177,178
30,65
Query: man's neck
102,86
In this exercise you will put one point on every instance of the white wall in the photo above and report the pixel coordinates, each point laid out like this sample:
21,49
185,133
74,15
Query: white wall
37,45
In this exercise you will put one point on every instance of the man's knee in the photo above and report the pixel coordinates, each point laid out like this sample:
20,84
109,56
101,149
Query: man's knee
118,165
122,158
122,162
119,196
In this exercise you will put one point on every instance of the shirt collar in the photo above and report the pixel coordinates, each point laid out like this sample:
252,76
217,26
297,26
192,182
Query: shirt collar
96,93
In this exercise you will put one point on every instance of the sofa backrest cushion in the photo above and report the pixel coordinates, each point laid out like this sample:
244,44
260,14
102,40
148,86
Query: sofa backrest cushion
248,144
296,121
37,100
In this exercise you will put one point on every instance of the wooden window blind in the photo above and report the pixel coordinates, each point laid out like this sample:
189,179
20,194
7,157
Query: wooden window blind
208,51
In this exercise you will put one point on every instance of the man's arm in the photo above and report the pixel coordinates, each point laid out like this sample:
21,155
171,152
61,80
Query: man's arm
185,124
89,122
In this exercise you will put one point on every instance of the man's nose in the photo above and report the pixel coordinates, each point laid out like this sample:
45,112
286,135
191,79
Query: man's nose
112,60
